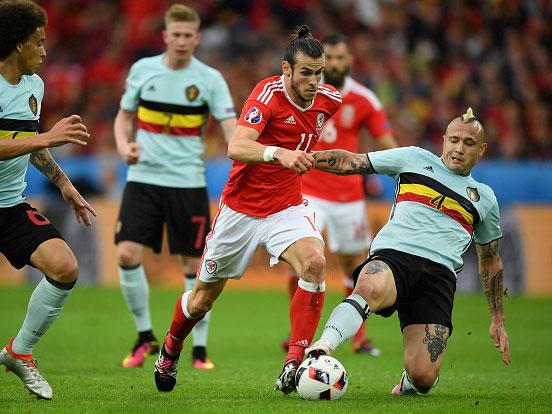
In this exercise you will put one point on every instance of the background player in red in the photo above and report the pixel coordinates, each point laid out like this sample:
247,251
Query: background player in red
339,200
262,204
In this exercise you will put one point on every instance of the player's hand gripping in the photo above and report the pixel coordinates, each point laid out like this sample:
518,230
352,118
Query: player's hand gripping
298,161
69,130
77,203
130,153
498,334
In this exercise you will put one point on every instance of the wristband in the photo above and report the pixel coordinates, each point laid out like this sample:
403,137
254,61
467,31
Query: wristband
268,154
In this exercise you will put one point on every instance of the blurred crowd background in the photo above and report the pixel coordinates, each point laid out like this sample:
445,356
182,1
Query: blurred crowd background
426,60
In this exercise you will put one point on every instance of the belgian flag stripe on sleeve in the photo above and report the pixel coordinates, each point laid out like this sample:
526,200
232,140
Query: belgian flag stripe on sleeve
19,125
425,190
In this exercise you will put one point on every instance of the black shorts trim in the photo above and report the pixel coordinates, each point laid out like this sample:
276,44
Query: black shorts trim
22,230
145,208
425,289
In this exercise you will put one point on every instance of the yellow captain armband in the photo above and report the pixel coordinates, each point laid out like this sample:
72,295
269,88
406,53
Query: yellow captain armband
468,116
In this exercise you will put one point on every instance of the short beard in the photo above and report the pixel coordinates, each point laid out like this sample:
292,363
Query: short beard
336,79
296,90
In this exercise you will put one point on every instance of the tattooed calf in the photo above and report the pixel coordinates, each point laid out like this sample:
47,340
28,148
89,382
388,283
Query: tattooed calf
437,343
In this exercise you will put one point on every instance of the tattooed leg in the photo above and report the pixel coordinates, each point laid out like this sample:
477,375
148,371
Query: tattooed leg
424,350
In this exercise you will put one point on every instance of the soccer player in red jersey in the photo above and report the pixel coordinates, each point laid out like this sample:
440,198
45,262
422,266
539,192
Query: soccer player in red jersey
262,204
339,200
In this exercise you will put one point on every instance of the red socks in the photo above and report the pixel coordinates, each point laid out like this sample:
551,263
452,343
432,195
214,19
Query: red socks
292,284
180,328
304,314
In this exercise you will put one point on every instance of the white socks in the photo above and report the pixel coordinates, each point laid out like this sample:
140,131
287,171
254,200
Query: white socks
345,320
44,308
134,286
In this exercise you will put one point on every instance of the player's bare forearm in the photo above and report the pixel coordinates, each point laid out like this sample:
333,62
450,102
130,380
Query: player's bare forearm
12,148
491,273
341,162
43,161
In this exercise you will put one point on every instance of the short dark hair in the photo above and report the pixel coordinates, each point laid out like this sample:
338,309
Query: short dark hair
335,39
302,41
20,19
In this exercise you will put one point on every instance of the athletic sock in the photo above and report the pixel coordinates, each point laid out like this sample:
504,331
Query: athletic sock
360,335
146,336
181,326
304,314
408,387
199,352
201,329
293,281
134,286
44,308
345,320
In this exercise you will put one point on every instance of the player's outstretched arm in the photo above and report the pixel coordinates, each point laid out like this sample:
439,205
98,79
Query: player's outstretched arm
243,146
341,162
490,271
69,130
44,162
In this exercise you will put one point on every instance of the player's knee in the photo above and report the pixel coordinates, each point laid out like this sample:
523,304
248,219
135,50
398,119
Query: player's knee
127,258
371,290
423,380
66,270
314,267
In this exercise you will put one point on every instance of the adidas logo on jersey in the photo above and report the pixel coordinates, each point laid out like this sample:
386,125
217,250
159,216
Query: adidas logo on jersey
151,88
429,168
290,120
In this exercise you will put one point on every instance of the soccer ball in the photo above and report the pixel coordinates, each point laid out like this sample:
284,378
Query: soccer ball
321,378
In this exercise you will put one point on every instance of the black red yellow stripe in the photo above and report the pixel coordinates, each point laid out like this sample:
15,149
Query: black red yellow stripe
17,128
425,190
171,119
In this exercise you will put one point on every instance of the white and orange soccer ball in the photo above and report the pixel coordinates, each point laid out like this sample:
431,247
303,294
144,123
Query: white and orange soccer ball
321,378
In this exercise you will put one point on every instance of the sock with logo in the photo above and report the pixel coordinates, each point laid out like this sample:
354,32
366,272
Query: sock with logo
345,320
44,308
305,310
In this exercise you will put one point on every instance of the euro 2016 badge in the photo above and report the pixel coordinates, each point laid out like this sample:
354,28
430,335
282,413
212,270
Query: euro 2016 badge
320,121
192,92
33,104
253,116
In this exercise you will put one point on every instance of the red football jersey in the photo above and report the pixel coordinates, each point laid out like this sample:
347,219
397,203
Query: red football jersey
361,108
263,189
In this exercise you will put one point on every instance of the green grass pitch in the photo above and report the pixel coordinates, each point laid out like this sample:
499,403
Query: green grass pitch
81,354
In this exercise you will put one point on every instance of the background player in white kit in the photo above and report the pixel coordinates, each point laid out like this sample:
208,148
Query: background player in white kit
339,200
171,96
262,204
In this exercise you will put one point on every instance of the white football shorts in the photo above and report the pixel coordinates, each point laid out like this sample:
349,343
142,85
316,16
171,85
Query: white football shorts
234,238
346,224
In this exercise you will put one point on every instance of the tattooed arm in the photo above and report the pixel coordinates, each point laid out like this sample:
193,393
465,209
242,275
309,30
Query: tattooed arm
44,163
490,271
341,162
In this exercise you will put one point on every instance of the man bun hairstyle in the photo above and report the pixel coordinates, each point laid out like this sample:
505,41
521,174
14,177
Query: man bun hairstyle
302,41
20,19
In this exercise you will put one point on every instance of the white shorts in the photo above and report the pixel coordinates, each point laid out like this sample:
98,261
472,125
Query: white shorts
346,224
234,238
